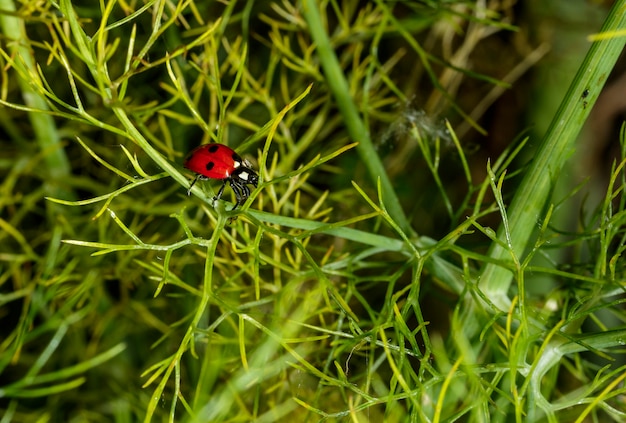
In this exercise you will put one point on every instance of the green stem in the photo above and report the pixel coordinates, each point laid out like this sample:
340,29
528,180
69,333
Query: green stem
43,125
530,199
338,84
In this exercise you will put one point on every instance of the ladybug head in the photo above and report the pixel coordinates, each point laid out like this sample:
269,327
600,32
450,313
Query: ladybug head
245,175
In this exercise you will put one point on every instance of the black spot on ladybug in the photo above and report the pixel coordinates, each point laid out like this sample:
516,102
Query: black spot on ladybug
210,165
213,148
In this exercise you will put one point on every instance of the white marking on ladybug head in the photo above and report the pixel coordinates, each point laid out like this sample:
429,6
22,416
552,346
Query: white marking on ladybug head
244,176
236,164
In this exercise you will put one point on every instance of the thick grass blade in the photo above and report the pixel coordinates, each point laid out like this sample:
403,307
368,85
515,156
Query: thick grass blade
557,147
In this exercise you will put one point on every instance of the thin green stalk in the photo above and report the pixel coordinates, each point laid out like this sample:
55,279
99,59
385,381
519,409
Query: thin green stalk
338,84
557,147
46,134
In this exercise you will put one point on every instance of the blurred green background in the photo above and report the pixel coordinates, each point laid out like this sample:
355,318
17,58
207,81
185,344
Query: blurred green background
82,333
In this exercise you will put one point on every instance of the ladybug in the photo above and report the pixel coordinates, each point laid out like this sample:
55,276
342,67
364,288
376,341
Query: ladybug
218,161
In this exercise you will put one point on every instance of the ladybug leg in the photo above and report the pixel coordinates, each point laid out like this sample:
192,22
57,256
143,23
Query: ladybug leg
245,192
193,183
237,189
221,191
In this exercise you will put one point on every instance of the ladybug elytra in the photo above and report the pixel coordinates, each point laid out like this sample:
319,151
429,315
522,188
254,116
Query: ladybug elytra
218,161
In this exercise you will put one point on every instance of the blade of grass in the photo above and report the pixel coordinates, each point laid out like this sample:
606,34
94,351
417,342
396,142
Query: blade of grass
338,84
43,124
556,148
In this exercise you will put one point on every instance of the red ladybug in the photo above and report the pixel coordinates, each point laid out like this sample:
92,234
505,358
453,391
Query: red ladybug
217,161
